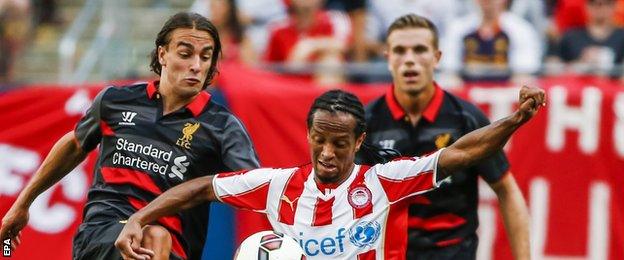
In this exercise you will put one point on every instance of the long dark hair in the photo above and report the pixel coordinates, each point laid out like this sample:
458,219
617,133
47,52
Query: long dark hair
189,21
341,101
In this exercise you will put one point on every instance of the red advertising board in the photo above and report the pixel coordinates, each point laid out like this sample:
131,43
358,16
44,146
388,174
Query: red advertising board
568,160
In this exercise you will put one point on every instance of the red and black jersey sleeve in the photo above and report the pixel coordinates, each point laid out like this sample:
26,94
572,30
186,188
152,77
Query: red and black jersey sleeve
88,131
237,150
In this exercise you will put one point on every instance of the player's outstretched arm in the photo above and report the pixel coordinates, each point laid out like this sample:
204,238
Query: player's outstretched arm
182,196
64,157
481,143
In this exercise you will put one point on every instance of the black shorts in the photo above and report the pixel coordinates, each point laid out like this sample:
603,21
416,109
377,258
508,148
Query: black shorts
466,250
96,240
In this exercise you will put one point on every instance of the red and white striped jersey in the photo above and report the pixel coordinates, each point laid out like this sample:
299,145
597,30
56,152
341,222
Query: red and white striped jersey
365,217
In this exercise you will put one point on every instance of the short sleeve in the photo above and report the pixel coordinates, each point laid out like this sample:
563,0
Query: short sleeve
237,149
87,131
405,177
244,189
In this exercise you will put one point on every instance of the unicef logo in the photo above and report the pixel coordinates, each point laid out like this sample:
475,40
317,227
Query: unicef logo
364,233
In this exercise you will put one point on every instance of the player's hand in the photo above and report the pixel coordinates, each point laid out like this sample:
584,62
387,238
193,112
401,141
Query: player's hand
129,242
531,99
12,224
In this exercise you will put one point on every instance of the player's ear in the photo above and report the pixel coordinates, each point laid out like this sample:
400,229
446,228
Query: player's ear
161,55
359,141
438,56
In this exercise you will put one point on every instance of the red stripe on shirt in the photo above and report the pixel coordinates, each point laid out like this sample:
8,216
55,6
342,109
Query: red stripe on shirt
255,199
440,222
422,200
134,178
445,243
230,174
106,129
395,243
398,189
291,194
359,181
403,158
323,212
370,255
172,223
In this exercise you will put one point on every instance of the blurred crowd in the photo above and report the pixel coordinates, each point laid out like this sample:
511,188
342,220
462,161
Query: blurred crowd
333,41
18,20
493,40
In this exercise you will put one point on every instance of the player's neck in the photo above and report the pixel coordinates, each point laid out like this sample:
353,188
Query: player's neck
600,30
304,20
335,183
415,103
172,101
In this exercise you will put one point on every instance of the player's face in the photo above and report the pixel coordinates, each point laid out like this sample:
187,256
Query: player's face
219,10
306,5
491,8
600,11
412,58
333,145
185,60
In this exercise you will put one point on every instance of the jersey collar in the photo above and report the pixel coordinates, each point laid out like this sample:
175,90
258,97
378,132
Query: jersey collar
196,106
431,111
152,89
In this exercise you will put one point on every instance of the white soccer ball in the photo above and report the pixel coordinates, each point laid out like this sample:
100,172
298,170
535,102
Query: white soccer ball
269,245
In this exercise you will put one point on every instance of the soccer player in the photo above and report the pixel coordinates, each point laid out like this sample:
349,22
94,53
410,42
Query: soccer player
334,207
151,137
416,117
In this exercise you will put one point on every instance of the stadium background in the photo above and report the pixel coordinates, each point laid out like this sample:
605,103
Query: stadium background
568,161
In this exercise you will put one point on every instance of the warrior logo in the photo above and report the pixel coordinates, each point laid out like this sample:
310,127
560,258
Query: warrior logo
127,118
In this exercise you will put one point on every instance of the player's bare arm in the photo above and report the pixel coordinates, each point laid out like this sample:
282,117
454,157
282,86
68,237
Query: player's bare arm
481,143
64,157
515,215
178,198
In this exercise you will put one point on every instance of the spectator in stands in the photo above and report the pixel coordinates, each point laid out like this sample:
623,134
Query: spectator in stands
381,13
569,14
14,27
237,46
45,12
599,45
254,15
534,12
356,9
311,36
493,46
619,13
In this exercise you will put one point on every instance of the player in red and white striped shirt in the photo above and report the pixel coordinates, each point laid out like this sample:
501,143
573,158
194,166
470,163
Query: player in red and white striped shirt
335,208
